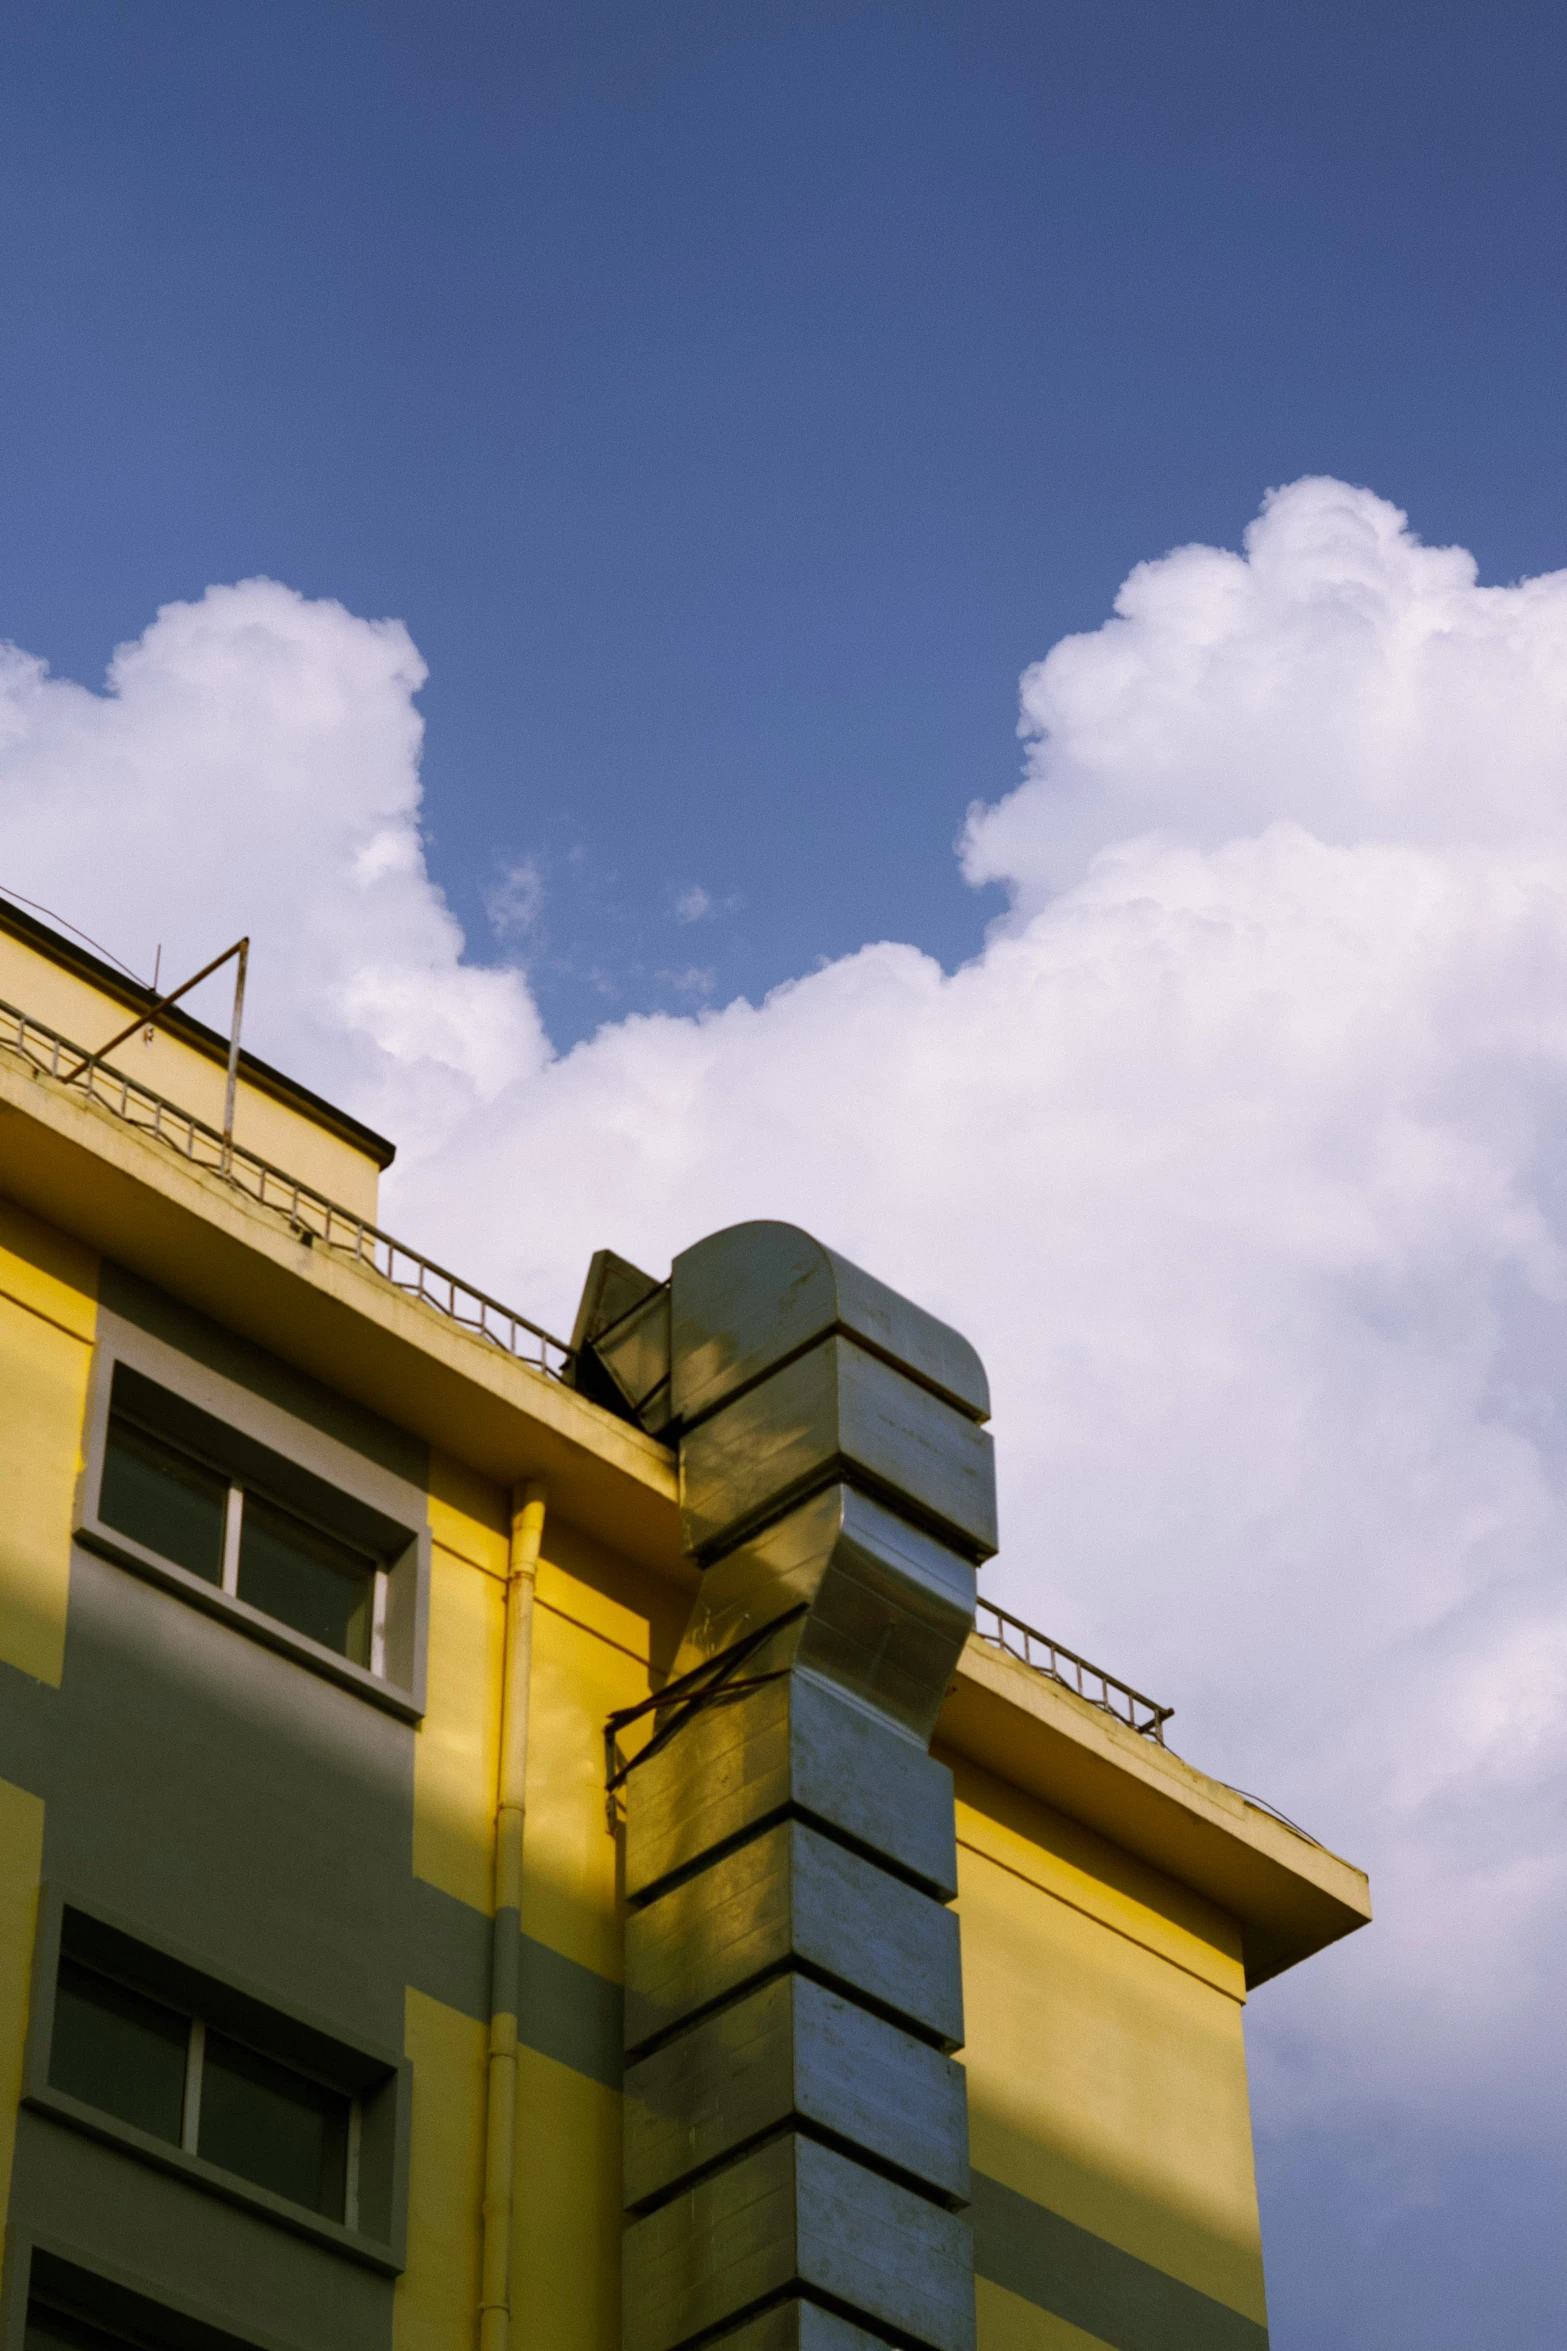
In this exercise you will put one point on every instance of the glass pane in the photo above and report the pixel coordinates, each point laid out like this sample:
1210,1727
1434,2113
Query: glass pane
52,2330
305,1578
161,1497
115,2049
274,2126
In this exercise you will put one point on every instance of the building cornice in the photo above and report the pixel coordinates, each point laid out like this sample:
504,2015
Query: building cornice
1290,1896
73,1163
195,1033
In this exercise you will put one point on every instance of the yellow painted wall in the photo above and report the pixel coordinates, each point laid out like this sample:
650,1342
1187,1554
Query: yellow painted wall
457,1752
21,1867
71,1005
566,2265
1106,2064
438,2294
600,1629
48,1314
1007,2323
456,1762
1104,2002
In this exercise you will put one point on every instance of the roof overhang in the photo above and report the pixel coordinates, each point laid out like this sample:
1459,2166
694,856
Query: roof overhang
74,1164
72,957
1290,1896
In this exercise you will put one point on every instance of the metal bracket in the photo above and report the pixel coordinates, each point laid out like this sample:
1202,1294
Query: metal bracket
147,1019
708,1684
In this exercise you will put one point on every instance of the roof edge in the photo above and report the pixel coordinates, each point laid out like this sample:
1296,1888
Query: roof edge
195,1033
111,1187
1290,1896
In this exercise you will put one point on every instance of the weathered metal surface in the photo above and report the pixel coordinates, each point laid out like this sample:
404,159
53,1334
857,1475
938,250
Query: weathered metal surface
795,2131
792,1746
887,1606
793,2214
613,1287
831,1412
620,1341
635,1353
798,2326
746,1298
792,1896
794,2051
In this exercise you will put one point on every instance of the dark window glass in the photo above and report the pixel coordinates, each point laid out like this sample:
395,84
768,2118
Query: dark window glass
161,1497
52,2330
306,1578
274,2126
116,2049
55,2330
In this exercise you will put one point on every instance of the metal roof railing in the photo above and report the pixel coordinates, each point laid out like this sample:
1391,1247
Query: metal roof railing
308,1213
1143,1715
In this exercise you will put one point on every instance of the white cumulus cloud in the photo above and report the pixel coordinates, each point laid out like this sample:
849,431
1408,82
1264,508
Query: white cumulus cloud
254,766
1238,1152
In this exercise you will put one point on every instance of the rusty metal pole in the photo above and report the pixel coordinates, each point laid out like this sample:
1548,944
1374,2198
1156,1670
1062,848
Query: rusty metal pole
243,951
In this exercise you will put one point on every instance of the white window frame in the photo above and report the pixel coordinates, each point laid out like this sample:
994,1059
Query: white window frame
374,2080
370,1676
195,2082
233,1536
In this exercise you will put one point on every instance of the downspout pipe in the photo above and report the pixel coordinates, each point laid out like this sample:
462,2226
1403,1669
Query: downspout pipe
500,2136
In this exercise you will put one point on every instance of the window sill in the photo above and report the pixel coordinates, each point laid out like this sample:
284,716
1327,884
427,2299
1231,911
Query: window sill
229,1609
351,2243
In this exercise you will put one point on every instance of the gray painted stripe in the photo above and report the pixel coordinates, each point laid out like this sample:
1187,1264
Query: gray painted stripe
1093,2285
30,1724
564,2010
567,2012
448,1950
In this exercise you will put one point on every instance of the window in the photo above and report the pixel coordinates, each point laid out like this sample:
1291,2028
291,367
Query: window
72,2309
248,1523
50,2328
125,2042
117,2049
240,1540
168,2075
270,2124
164,1498
57,2330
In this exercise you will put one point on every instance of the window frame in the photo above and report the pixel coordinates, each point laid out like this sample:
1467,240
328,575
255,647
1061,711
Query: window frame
111,2297
186,1981
378,1569
244,1432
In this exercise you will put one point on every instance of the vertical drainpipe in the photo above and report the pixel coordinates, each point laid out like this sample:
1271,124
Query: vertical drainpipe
500,2137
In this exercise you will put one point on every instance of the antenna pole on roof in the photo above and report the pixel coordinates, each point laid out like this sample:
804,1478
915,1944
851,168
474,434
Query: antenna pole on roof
157,966
148,1019
243,952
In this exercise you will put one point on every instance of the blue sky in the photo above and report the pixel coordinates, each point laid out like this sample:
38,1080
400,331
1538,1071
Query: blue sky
733,401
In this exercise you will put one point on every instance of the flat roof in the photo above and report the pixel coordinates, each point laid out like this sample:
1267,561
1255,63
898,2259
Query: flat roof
195,1033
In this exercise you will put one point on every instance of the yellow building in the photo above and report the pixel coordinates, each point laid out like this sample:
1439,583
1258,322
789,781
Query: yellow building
380,1965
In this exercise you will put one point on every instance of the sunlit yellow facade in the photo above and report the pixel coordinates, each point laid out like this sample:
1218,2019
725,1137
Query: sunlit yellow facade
317,1836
